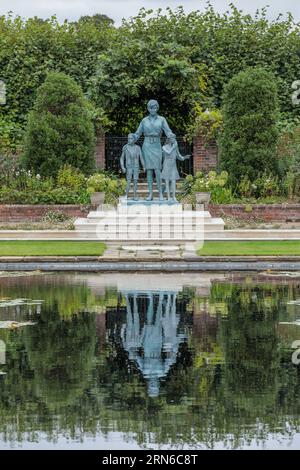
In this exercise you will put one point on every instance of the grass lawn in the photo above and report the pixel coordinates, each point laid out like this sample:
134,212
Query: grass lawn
257,247
51,248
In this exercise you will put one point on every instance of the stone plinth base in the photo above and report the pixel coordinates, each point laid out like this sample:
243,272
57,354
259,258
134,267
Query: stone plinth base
147,221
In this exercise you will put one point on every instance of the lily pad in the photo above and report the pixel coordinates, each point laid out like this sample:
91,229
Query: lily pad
294,302
21,273
12,325
18,302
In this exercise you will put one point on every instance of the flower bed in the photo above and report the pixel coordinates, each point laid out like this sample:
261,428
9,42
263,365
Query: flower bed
70,186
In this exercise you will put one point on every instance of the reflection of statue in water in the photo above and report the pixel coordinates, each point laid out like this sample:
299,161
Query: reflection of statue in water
154,345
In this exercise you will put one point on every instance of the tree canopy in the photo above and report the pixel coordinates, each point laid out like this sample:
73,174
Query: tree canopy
181,59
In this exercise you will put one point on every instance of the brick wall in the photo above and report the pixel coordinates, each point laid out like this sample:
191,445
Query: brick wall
35,213
100,151
205,155
263,212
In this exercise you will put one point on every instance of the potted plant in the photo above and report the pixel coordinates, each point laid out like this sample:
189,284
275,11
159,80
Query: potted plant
201,189
96,186
202,198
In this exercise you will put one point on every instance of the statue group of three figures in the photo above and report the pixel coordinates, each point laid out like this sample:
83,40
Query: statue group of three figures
153,157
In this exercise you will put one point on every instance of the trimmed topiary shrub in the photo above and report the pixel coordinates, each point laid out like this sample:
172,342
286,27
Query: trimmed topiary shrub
60,129
250,112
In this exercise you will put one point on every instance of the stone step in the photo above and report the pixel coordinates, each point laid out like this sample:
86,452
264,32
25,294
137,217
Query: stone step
124,236
234,235
134,241
168,211
143,192
150,222
217,226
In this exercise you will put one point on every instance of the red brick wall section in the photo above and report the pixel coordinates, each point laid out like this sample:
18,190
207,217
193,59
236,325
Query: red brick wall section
258,212
205,155
35,213
100,152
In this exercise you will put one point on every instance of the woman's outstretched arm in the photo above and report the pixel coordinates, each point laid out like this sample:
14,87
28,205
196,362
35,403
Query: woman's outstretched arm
179,156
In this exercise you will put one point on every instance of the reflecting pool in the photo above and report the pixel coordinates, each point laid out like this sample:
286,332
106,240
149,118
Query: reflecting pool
169,361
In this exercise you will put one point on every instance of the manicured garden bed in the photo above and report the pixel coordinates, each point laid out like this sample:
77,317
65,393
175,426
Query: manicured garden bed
51,248
250,248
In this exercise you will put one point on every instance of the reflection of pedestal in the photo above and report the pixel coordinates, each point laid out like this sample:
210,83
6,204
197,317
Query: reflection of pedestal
149,221
145,282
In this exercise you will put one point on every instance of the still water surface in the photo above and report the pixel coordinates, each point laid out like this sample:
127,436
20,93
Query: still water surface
120,361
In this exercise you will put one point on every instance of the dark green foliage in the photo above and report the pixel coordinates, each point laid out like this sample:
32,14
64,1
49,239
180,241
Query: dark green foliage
185,58
99,20
152,55
30,49
60,129
250,111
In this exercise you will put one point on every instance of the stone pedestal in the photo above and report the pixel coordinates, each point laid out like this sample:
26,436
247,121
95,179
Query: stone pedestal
148,222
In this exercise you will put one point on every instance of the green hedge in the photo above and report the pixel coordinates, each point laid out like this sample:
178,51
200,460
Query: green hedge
247,145
175,57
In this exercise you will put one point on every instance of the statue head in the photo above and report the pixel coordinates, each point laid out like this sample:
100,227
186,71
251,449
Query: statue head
131,139
153,107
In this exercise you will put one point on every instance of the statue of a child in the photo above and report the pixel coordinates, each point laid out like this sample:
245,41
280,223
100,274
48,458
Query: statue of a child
169,171
130,164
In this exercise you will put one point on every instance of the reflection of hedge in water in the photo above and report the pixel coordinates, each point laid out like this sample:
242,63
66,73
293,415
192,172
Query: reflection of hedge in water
37,392
251,374
67,349
68,298
274,295
256,388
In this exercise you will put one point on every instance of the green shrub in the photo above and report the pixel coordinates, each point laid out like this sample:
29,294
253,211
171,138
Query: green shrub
9,167
113,187
288,155
250,111
291,182
245,187
60,129
216,184
26,188
208,124
265,186
70,177
11,135
70,187
53,196
97,183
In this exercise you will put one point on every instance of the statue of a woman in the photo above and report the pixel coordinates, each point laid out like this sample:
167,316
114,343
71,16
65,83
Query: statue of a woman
152,127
